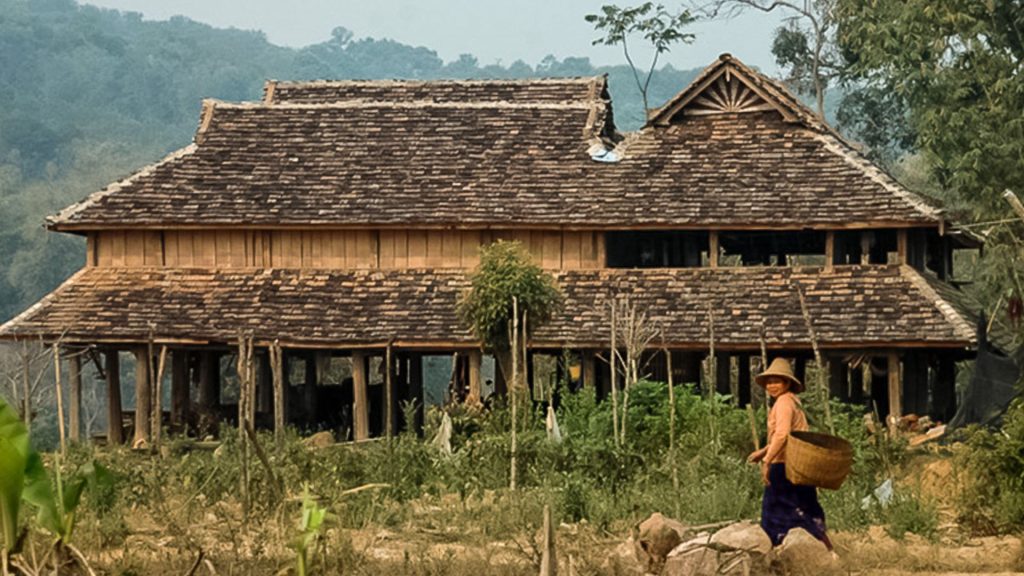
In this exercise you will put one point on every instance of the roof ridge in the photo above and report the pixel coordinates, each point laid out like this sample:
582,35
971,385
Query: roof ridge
95,197
439,81
416,103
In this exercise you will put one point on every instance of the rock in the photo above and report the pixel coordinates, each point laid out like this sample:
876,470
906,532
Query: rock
695,557
751,549
654,538
801,554
319,440
622,560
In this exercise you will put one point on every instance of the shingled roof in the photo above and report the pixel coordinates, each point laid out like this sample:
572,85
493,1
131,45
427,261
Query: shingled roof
518,154
859,306
534,90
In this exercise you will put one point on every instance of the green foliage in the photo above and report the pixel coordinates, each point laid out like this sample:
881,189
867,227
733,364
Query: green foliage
911,513
14,458
956,65
311,524
993,500
659,27
506,270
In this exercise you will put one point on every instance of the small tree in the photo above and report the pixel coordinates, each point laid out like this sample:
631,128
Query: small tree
653,23
506,271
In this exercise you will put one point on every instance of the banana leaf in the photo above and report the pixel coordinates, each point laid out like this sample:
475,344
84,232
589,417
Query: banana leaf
14,455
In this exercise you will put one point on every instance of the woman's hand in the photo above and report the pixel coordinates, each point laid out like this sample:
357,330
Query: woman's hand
757,455
764,473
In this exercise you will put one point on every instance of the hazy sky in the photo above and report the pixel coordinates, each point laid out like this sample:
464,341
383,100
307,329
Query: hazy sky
493,31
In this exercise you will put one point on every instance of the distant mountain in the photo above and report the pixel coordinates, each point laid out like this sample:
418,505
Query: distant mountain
90,95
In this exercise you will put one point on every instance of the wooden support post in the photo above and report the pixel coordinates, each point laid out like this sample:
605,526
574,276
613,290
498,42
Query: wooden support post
866,237
264,383
944,404
390,402
901,246
723,373
75,382
838,379
209,381
801,370
275,355
143,398
476,359
895,388
713,249
157,410
309,406
60,400
115,432
830,249
179,390
416,390
743,381
360,406
588,366
857,381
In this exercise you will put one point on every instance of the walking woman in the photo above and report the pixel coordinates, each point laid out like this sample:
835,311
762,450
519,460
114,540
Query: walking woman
785,505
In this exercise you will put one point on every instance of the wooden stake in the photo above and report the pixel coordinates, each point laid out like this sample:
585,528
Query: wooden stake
822,368
615,372
389,394
276,367
671,416
475,396
143,398
60,400
753,427
115,432
548,558
513,388
360,406
158,396
75,377
895,391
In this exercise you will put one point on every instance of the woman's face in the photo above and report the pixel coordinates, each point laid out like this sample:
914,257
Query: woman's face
776,386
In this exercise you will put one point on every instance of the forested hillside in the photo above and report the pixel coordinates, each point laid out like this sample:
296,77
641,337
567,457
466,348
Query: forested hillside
89,95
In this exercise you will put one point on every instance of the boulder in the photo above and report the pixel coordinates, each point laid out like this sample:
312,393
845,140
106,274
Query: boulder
801,554
654,538
622,560
695,557
319,440
744,548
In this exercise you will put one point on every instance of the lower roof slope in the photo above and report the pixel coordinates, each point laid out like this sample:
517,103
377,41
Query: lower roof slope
851,306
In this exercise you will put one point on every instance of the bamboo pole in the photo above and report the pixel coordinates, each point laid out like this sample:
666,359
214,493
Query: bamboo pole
60,400
614,374
75,378
276,367
26,378
548,558
115,432
671,417
158,394
1015,202
822,383
513,388
389,395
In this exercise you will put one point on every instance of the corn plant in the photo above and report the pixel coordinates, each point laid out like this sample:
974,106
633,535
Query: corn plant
310,526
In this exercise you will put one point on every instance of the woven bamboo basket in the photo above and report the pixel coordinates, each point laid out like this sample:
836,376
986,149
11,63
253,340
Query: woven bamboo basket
821,460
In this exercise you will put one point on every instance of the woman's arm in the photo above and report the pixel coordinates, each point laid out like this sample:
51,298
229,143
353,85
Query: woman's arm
784,408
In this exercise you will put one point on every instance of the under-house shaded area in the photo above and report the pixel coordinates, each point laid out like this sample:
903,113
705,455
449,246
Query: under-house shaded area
656,249
764,248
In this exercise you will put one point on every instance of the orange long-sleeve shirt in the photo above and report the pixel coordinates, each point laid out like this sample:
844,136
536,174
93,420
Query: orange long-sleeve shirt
784,417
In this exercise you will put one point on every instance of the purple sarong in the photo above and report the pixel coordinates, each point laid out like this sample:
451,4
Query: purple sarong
787,506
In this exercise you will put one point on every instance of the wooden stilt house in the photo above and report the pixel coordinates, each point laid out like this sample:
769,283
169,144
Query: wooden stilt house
340,220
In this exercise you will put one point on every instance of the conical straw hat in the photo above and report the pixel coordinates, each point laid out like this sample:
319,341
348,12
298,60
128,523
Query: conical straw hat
780,367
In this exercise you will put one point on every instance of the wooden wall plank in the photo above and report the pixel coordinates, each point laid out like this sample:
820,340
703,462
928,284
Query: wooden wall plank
470,249
387,249
152,249
451,248
401,249
571,250
134,249
435,249
551,256
417,248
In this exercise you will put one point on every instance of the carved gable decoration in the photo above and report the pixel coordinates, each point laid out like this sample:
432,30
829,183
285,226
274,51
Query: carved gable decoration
725,87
